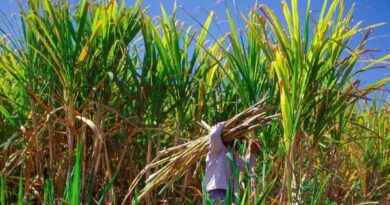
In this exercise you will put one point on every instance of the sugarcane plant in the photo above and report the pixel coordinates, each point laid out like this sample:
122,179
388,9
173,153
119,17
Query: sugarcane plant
101,102
315,79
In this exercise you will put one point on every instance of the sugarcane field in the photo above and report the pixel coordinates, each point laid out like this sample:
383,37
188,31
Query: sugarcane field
225,102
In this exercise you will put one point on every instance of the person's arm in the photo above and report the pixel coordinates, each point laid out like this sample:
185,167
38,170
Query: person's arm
216,144
250,157
254,146
240,164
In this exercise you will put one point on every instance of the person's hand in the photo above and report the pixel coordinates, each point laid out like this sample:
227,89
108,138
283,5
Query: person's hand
254,146
217,128
216,144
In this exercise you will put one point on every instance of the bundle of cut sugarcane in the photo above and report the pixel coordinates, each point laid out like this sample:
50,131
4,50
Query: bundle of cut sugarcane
179,158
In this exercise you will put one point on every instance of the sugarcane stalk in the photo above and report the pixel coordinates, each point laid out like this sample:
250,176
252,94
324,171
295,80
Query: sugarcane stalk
179,158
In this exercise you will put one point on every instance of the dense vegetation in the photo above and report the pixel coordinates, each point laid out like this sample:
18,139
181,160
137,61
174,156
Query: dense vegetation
90,95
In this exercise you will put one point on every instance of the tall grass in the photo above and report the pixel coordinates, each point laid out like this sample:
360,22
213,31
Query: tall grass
90,95
315,81
2,190
57,47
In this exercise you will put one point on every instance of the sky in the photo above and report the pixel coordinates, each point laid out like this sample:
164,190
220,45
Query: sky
193,11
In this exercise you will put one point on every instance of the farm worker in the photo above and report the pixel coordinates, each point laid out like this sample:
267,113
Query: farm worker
218,170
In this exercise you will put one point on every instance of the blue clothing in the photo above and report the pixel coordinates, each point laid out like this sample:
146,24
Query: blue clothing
218,170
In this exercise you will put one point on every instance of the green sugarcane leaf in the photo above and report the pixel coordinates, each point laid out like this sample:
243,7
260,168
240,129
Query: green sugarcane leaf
108,187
